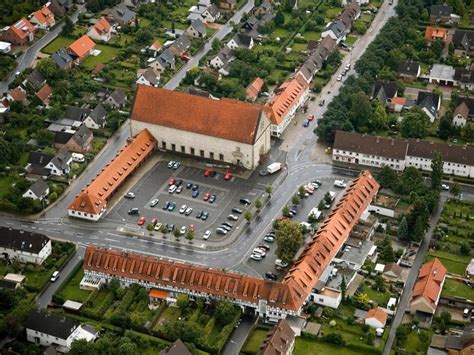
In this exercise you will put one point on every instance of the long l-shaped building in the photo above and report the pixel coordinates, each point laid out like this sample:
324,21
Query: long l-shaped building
273,300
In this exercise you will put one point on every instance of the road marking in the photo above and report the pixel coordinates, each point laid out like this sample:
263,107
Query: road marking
111,240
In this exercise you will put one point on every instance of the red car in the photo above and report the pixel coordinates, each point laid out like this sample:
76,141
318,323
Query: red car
228,175
191,227
310,117
171,181
154,221
141,221
206,196
208,172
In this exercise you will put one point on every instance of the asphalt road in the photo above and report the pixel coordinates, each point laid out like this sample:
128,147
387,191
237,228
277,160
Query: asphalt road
238,337
26,59
174,82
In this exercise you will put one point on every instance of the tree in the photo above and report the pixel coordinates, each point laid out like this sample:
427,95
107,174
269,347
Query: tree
327,198
380,117
268,190
177,233
258,204
279,18
126,347
464,248
436,171
334,338
343,287
190,235
420,227
415,124
379,283
289,239
224,312
216,44
150,227
285,211
47,68
361,111
68,28
81,347
362,300
360,27
144,35
403,233
386,250
446,316
295,200
455,190
248,216
446,128
321,205
301,190
182,301
387,177
113,286
44,137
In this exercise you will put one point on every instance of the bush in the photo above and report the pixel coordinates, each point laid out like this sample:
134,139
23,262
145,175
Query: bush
334,338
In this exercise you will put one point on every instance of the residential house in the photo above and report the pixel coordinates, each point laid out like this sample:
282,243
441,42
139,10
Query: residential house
254,88
428,286
196,29
101,30
429,103
38,191
196,11
251,24
19,33
177,348
358,2
454,344
436,33
377,152
155,48
193,90
464,78
46,329
409,70
227,4
281,107
17,94
77,142
442,75
166,60
5,47
280,340
36,80
350,14
60,7
384,91
211,14
376,318
117,99
91,203
463,41
316,58
97,118
81,48
149,77
63,59
392,271
44,94
36,165
440,13
75,113
464,112
470,269
120,15
397,104
43,18
241,40
180,46
24,246
222,58
336,30
328,297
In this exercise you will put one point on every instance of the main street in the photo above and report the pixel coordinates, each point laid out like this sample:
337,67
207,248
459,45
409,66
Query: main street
26,59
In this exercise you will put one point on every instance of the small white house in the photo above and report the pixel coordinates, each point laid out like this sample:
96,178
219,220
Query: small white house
101,30
149,78
5,47
376,318
24,246
328,297
38,191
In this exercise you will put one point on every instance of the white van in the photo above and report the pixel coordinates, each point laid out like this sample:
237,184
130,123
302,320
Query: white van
55,276
78,158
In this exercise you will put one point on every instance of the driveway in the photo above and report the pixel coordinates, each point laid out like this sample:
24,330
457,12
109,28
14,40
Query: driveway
238,337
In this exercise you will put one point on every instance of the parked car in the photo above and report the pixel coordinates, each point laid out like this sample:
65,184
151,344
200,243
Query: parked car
264,246
271,276
321,103
305,123
269,238
237,210
256,257
154,221
244,201
129,195
199,215
205,216
141,221
206,235
188,211
232,217
213,198
221,231
170,164
228,175
166,205
158,226
154,202
176,165
280,263
191,227
445,187
55,276
339,77
170,227
340,183
172,189
223,226
183,230
172,206
262,252
310,117
179,189
195,187
171,181
206,196
227,224
189,185
183,209
195,193
208,172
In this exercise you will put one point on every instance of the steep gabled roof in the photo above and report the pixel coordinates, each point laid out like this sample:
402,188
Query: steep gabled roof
62,58
102,26
82,46
254,88
408,68
22,28
430,279
377,313
49,323
440,10
279,339
44,93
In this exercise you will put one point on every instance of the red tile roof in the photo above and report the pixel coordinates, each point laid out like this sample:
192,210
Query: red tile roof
44,93
377,313
18,94
95,195
22,28
432,33
254,88
430,279
158,294
82,46
279,340
286,96
44,15
98,68
399,100
227,119
156,45
102,26
289,294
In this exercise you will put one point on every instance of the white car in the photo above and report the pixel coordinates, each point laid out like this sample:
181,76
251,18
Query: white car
340,183
154,202
129,195
232,217
183,230
55,276
257,257
158,226
260,251
188,211
221,231
172,189
183,209
206,235
348,66
339,77
445,187
280,263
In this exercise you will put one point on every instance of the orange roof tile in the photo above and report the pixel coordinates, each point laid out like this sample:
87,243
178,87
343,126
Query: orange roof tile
254,88
286,97
44,15
102,26
22,28
98,68
227,119
432,33
44,93
159,294
94,196
289,294
428,285
398,100
18,94
82,46
156,45
377,313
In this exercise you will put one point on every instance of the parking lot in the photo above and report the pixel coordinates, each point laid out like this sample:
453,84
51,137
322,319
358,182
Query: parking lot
155,184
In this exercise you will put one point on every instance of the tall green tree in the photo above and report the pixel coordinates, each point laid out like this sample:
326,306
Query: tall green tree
436,171
415,124
289,239
403,233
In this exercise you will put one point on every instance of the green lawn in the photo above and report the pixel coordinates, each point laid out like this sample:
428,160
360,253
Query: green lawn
280,32
72,291
58,43
254,340
366,18
333,12
5,184
106,55
170,314
381,298
312,35
350,40
298,46
312,346
455,263
453,288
